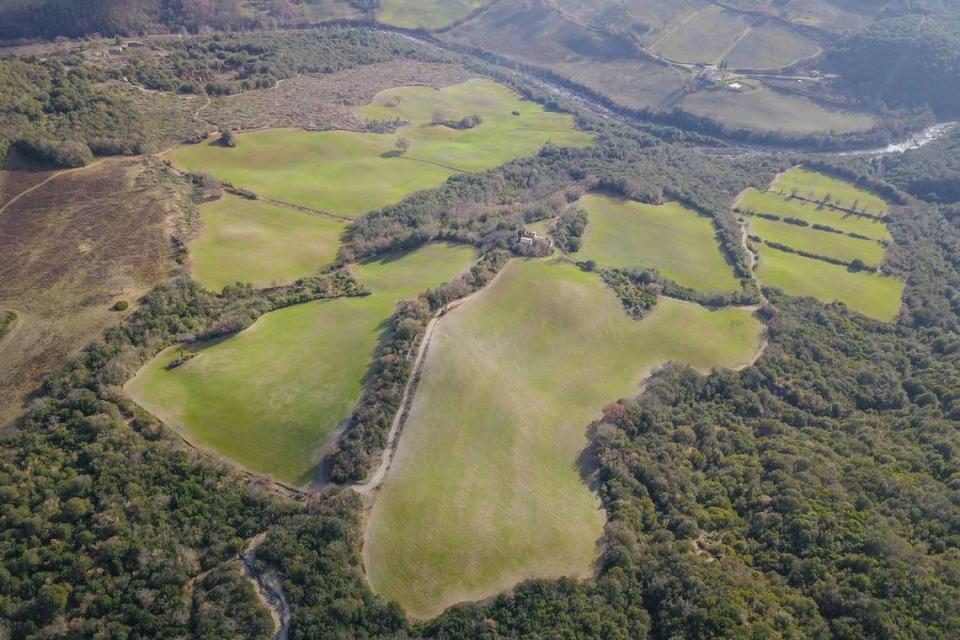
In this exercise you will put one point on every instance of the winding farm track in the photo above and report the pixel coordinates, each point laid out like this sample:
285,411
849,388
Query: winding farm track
396,427
56,175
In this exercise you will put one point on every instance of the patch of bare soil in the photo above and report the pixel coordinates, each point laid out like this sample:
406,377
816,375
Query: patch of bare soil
321,102
72,247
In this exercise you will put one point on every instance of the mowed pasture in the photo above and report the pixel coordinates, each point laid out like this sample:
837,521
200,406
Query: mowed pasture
350,173
678,242
270,397
484,490
817,186
786,207
821,243
425,14
260,243
873,295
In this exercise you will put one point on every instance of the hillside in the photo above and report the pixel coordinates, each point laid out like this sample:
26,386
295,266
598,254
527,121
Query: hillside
611,320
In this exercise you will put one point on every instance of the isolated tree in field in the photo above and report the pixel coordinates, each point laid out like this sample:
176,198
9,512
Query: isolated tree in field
228,138
403,144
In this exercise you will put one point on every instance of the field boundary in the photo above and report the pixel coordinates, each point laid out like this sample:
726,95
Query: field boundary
376,479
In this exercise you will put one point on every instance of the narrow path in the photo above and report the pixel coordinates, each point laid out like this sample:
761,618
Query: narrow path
268,588
54,176
396,427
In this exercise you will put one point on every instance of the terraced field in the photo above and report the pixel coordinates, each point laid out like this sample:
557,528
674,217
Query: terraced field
832,245
350,173
817,186
871,294
786,207
676,241
261,243
270,397
484,490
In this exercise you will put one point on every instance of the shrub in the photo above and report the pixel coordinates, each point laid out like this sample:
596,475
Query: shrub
69,154
121,305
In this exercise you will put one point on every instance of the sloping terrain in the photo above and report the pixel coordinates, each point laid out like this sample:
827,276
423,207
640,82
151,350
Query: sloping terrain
485,488
73,246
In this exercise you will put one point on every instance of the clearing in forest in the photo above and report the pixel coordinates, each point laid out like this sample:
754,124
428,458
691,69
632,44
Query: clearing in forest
873,295
840,193
484,490
426,14
261,243
809,222
678,242
350,173
838,246
269,397
783,206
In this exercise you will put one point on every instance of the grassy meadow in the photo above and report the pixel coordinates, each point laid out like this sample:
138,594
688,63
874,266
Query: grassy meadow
873,295
678,242
426,14
350,173
260,243
484,490
787,207
816,186
821,243
269,397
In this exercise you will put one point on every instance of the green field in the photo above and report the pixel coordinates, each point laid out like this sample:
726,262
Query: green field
813,185
678,242
260,243
872,295
350,173
786,207
820,243
269,397
484,490
426,14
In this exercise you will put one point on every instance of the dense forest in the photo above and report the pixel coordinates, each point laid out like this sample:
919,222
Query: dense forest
909,61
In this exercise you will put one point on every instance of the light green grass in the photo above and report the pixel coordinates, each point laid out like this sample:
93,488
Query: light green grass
542,227
260,243
484,490
786,207
820,243
678,242
872,295
426,14
813,185
350,173
270,397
